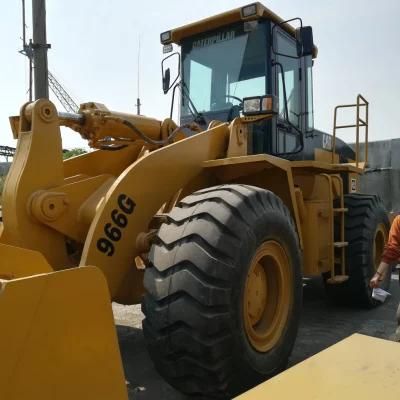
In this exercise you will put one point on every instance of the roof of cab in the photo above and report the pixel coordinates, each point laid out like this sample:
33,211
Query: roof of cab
227,18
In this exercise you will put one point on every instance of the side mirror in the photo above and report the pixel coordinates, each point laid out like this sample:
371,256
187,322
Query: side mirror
305,42
171,62
166,80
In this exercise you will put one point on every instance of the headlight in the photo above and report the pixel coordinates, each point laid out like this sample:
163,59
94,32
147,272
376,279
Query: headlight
165,37
260,105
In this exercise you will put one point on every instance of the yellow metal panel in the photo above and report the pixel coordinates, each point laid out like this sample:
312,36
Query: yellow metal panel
37,165
14,122
258,158
359,367
325,156
318,166
238,139
76,195
58,339
145,186
17,262
101,162
317,238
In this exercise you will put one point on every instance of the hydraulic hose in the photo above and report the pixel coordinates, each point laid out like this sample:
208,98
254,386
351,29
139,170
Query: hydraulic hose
143,136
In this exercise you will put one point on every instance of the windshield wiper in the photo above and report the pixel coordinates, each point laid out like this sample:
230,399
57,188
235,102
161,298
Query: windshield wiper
198,117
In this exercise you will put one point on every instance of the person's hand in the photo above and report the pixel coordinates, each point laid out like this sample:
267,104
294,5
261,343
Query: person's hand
376,280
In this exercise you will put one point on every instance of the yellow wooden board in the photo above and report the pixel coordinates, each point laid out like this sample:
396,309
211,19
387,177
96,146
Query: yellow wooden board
359,367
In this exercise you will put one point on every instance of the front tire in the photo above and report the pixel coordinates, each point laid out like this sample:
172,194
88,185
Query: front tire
224,291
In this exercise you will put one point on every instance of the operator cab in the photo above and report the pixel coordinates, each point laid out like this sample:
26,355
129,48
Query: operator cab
228,59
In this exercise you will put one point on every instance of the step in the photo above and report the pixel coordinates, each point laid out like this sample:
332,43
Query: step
158,219
337,279
340,210
340,244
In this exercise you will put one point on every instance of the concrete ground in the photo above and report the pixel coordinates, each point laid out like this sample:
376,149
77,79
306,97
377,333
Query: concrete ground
322,326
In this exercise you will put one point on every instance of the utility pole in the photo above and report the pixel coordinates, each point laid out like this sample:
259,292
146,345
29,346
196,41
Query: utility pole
51,81
39,49
27,50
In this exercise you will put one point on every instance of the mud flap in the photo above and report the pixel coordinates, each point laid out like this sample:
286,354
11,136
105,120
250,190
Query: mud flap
57,338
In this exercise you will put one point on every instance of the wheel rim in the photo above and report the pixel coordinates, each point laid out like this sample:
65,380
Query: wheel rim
381,235
267,296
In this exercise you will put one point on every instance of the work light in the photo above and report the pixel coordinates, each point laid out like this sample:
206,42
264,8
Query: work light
165,37
249,11
260,105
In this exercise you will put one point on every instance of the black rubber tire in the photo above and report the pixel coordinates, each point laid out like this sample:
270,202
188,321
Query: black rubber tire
193,307
365,214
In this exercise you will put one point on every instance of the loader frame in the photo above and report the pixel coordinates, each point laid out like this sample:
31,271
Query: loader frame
108,203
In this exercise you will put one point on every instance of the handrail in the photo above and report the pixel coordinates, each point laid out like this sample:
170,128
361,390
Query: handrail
361,102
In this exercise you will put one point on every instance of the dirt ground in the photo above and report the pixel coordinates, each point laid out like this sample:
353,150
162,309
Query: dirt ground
322,325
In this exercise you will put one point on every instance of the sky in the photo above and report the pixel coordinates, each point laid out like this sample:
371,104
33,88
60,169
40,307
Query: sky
94,53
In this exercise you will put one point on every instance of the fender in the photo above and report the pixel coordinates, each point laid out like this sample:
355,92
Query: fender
262,170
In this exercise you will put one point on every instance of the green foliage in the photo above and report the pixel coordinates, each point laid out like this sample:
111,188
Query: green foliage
73,152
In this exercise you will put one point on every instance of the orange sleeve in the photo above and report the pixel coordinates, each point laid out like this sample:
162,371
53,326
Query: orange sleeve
391,253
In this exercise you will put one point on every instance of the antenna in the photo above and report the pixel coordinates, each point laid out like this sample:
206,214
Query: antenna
138,104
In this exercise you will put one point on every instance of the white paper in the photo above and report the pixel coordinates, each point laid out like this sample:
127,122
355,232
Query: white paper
380,294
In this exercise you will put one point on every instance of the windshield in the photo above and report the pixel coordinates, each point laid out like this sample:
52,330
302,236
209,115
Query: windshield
221,68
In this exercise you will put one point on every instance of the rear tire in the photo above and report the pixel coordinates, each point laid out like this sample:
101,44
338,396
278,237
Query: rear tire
201,305
366,230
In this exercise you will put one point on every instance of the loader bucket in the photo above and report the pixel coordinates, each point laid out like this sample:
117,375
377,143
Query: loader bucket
57,336
17,262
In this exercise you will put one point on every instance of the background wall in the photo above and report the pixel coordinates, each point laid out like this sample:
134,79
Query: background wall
383,174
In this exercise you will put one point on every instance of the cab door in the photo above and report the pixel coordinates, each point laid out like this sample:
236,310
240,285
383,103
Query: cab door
288,87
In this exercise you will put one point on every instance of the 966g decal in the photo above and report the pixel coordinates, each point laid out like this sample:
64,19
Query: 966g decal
119,220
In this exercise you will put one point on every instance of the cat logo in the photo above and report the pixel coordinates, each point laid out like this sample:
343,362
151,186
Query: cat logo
327,141
219,37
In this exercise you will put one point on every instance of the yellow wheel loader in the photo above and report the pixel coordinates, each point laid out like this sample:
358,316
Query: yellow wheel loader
211,224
